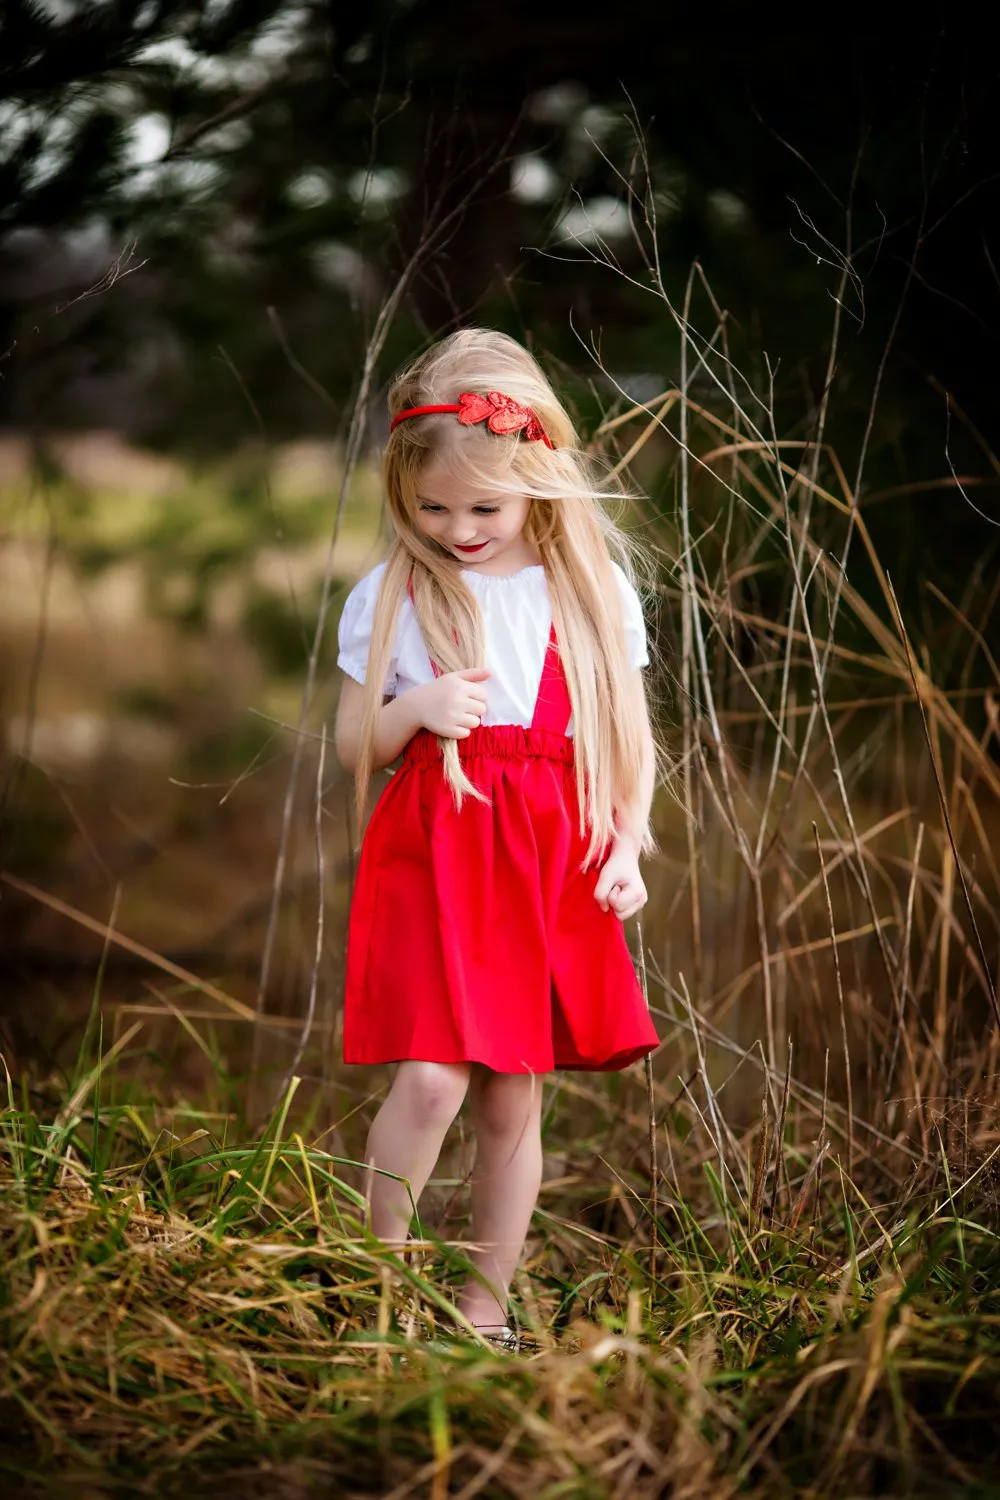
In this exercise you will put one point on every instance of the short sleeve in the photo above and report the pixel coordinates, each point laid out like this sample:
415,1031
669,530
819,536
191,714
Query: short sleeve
635,626
355,631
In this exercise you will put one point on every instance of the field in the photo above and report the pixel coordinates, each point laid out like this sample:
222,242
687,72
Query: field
767,1268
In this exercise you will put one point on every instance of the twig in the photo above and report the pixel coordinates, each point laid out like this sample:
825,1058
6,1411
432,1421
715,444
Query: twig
987,973
654,1175
307,1026
840,999
441,223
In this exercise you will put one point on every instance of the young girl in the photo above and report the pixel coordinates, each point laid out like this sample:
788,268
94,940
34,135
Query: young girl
498,649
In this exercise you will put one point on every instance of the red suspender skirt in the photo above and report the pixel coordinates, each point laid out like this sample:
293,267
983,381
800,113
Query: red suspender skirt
474,936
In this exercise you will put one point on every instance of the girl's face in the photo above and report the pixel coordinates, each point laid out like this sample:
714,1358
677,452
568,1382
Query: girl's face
481,528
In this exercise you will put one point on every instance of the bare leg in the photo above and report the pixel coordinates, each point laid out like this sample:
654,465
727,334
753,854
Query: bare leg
406,1137
506,1115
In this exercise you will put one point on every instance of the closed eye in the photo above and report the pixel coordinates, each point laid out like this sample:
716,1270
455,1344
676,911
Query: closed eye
477,510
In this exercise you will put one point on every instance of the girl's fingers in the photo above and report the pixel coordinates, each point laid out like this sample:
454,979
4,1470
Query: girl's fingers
607,900
629,900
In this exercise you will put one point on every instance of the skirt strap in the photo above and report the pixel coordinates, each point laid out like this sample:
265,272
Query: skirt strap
553,708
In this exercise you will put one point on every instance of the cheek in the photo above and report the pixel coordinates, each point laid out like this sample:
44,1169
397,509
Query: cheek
518,520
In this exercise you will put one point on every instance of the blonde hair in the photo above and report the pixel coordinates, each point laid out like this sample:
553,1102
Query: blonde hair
575,537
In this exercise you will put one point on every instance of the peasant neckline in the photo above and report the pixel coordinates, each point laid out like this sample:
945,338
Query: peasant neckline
504,578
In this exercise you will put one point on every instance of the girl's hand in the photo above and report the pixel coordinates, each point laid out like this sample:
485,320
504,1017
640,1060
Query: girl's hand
454,704
620,886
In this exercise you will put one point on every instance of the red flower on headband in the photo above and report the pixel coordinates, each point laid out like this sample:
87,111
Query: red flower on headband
502,414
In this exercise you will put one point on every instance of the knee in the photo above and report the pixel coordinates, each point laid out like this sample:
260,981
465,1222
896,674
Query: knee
435,1091
506,1104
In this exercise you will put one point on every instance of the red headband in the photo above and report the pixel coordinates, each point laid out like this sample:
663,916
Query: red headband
502,414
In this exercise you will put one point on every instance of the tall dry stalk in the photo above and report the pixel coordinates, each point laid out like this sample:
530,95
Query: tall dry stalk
441,218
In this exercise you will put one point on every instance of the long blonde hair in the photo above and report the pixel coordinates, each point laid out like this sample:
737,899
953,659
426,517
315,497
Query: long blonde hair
575,537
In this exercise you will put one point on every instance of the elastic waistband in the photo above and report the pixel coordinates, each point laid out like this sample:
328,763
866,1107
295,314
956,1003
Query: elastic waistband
495,742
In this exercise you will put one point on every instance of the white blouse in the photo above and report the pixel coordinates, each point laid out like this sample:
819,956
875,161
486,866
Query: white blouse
517,619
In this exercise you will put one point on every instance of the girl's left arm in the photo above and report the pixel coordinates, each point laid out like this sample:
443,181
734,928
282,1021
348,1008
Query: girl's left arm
631,821
620,887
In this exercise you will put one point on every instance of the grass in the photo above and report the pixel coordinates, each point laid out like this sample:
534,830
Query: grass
181,1312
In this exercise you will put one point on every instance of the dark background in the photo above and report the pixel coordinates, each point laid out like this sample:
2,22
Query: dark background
774,150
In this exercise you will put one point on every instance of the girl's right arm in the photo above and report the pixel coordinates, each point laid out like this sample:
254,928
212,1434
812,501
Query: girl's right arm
398,721
452,705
